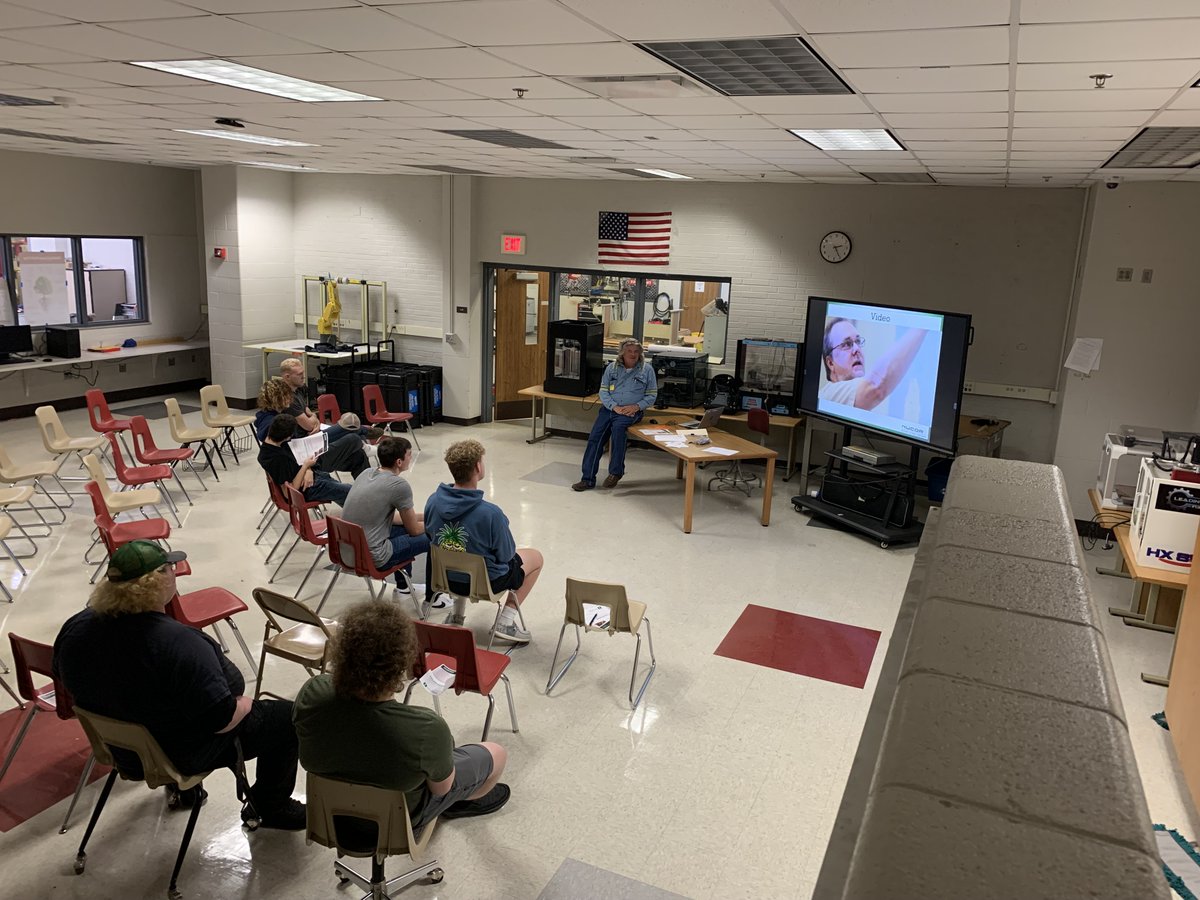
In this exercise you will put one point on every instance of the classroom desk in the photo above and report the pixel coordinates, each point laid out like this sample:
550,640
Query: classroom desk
155,351
540,431
693,454
291,347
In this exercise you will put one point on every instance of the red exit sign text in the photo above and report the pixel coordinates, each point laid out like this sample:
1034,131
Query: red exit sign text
512,243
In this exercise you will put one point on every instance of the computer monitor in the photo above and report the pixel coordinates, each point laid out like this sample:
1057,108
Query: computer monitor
15,339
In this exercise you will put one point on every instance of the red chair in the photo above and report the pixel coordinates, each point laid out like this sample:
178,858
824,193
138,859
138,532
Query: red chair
377,412
475,670
113,534
343,535
278,502
31,657
150,454
734,477
310,530
140,476
208,606
102,419
328,411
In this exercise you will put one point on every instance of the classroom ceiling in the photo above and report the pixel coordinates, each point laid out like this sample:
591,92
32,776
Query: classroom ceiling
986,92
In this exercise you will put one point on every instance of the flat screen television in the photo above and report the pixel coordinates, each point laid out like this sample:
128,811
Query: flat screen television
893,370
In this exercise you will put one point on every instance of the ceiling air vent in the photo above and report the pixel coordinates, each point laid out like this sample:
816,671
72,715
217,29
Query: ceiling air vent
14,100
61,138
1159,148
752,67
900,177
508,139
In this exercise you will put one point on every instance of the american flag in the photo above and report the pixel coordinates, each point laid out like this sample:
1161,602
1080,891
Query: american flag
642,238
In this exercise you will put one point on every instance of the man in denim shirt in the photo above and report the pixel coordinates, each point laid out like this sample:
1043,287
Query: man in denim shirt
626,390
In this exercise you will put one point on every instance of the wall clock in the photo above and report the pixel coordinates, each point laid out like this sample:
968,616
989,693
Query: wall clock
835,246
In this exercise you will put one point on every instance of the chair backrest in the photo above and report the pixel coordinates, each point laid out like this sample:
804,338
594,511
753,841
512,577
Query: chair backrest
5,460
597,593
54,437
277,605
175,419
373,400
97,407
759,420
143,440
443,561
30,657
333,805
348,546
302,522
278,496
97,473
118,460
213,395
328,411
103,520
448,640
157,768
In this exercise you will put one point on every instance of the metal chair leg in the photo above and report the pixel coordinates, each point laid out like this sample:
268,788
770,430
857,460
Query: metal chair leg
237,634
81,854
512,710
8,687
412,433
170,503
555,678
286,556
496,624
16,559
201,794
653,664
83,780
186,495
329,587
487,721
33,708
311,568
278,541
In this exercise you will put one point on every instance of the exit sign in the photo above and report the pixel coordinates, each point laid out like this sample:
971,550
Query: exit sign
512,243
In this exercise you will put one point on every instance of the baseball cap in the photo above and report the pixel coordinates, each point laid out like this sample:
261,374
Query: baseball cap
138,558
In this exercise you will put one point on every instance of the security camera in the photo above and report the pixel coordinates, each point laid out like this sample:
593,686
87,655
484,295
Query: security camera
1113,183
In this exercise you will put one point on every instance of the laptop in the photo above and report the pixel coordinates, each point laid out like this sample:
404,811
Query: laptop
710,419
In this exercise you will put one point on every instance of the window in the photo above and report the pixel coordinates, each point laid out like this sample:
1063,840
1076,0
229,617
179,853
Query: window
61,280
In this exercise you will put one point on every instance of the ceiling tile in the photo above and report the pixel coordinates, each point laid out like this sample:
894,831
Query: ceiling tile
1102,10
611,58
819,16
978,101
1110,118
919,146
1073,134
773,137
461,62
321,67
826,121
1165,73
609,124
684,106
951,134
809,104
41,77
938,78
357,28
211,93
502,22
118,73
234,7
22,17
685,19
1092,99
696,122
1189,117
947,120
468,108
940,47
406,89
1133,40
1189,99
1076,146
26,51
213,35
581,107
503,88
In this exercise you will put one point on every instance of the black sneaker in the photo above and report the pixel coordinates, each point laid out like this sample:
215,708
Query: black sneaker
490,802
291,815
177,799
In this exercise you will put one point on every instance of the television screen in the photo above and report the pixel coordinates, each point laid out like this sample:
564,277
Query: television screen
890,369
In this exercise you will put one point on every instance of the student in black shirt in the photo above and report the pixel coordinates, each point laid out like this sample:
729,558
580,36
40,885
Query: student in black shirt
280,465
125,658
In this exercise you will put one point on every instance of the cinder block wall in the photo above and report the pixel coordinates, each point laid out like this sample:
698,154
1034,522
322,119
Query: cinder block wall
996,759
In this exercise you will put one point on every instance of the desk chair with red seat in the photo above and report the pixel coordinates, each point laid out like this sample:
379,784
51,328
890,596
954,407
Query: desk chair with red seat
328,410
345,535
101,418
475,670
208,606
733,477
140,476
150,454
113,534
377,412
311,531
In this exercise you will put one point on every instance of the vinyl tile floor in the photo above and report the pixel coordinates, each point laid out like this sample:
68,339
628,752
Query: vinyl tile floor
723,783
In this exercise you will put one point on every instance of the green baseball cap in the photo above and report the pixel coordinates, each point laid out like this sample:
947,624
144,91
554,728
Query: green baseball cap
138,558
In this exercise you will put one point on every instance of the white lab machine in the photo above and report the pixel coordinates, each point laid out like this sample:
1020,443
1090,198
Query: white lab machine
1166,512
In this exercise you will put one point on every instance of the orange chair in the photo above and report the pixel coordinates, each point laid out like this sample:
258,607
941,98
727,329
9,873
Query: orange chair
113,534
140,476
30,657
310,530
208,606
150,454
377,412
102,419
475,670
328,411
343,535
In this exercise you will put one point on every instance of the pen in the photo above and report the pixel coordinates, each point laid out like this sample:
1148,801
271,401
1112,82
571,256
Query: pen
593,619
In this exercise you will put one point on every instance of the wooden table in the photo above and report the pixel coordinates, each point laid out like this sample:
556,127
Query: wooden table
538,397
694,454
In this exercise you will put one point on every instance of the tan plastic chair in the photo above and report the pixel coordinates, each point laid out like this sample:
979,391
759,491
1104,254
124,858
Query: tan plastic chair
185,435
11,473
305,642
473,566
122,501
56,440
215,411
625,616
333,806
20,499
104,733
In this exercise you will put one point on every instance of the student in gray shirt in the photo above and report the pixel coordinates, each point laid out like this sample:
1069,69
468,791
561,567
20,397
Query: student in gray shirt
381,501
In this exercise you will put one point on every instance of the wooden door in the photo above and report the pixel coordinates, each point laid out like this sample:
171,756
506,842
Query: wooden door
691,319
520,345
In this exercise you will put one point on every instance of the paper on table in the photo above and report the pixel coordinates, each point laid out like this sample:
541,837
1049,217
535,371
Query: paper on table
313,445
1085,355
720,451
439,680
595,615
667,438
656,430
693,432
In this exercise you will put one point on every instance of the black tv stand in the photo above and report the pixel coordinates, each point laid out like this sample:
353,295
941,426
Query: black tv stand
875,500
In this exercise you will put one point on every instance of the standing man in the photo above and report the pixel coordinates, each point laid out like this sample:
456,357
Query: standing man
458,518
627,389
124,657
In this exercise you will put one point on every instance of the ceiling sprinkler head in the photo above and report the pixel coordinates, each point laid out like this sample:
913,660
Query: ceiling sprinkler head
1100,78
520,92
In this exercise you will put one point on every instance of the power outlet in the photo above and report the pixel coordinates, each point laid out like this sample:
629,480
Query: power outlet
204,309
121,367
1147,276
170,360
1125,274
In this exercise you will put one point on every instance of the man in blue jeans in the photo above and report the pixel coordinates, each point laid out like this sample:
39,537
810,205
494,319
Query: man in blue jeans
627,389
281,467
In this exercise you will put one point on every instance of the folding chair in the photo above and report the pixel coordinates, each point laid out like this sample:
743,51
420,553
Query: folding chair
306,642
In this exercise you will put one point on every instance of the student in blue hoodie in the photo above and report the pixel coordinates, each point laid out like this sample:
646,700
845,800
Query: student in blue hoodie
457,517
627,389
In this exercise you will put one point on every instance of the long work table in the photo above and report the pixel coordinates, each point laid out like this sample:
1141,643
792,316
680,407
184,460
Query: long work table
122,354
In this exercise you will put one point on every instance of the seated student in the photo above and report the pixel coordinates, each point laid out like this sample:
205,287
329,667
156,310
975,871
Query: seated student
345,453
274,397
125,658
351,727
280,465
459,518
381,501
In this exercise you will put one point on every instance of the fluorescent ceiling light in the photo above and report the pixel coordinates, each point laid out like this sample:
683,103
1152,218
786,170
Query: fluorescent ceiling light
663,173
275,165
248,78
245,138
848,138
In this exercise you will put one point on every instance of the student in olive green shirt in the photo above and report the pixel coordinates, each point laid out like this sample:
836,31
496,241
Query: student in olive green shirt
351,727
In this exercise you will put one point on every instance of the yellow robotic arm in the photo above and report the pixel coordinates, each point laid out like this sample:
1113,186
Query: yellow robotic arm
332,311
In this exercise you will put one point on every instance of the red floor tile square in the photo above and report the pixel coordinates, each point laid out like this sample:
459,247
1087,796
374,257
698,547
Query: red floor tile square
817,648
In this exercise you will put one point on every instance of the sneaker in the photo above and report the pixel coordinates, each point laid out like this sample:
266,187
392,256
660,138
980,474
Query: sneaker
513,632
440,600
490,802
177,799
291,815
452,619
373,434
611,481
583,485
403,593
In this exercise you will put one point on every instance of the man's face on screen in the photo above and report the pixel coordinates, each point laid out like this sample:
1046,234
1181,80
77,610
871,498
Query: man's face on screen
846,358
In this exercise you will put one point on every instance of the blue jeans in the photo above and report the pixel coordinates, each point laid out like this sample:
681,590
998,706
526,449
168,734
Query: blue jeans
608,423
405,547
325,490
